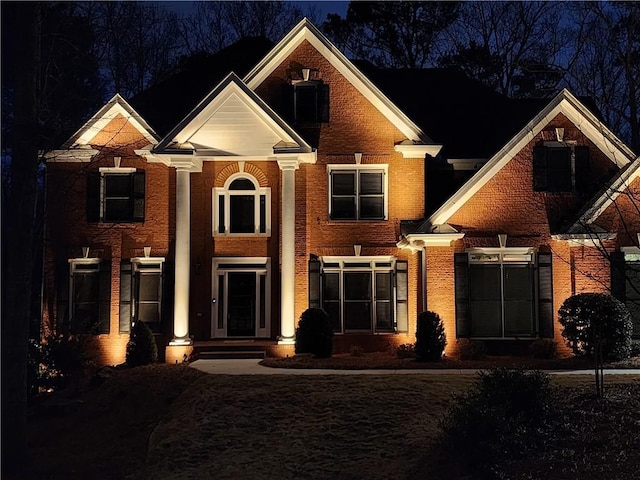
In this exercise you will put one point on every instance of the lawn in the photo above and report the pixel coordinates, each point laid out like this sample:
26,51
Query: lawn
172,422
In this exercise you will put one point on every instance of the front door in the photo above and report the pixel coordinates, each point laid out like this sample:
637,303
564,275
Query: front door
241,309
241,297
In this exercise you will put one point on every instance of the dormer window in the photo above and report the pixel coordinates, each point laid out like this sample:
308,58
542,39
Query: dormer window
311,102
560,167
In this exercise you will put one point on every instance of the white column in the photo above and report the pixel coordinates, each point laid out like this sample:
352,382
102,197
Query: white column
288,261
183,257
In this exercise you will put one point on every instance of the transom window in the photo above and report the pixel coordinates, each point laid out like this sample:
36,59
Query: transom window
116,195
357,192
362,294
242,207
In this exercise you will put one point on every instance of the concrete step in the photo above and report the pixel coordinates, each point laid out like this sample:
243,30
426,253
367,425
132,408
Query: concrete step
231,354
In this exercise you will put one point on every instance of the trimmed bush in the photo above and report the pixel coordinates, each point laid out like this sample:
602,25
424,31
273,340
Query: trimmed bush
471,349
406,350
315,333
141,348
583,316
430,337
543,348
497,420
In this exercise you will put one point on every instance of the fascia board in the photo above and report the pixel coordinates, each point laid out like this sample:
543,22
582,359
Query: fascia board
564,103
305,30
116,106
215,100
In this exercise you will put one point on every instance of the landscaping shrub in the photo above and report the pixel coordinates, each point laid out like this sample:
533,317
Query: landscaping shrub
55,362
430,337
543,348
141,348
498,419
406,350
635,348
583,315
471,349
314,333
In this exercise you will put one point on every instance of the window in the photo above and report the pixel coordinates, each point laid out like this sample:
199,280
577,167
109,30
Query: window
116,195
625,282
141,293
242,207
311,102
496,294
560,168
90,295
357,192
360,294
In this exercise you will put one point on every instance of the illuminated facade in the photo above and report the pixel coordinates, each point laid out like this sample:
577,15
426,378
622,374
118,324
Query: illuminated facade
305,184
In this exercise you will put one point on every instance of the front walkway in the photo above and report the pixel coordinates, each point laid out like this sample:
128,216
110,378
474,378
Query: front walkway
252,367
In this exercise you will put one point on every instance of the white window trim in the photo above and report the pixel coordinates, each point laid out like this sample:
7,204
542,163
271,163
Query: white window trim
73,268
146,264
358,167
110,171
356,264
226,193
238,262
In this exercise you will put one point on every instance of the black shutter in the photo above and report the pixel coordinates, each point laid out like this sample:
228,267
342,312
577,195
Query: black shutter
62,299
618,289
166,305
463,313
125,296
545,296
104,297
540,169
137,196
93,197
402,296
314,283
583,170
323,103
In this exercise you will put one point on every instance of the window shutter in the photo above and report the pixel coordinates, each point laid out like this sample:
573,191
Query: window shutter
545,296
166,305
618,289
402,296
104,297
463,314
323,103
314,283
137,196
582,168
62,298
540,169
125,296
93,197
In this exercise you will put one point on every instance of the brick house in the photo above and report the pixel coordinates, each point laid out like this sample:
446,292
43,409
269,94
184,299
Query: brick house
315,181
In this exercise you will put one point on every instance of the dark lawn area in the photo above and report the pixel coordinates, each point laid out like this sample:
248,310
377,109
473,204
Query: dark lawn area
173,422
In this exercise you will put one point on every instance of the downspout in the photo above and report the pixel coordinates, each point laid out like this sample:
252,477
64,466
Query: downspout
423,259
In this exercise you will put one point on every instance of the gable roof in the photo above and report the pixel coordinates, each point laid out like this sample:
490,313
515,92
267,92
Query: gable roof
604,198
565,103
305,30
207,129
114,107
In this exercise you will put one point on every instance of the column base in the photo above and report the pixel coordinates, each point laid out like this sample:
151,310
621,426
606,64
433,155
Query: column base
181,342
286,340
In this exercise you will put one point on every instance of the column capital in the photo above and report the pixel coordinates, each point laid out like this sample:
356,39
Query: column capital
189,164
289,164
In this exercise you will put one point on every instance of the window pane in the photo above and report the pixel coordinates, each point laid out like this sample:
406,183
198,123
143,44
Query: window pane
632,273
333,310
343,208
486,300
371,183
485,282
221,227
263,214
357,316
559,170
372,207
263,301
331,286
85,287
117,209
242,184
149,287
117,185
220,301
518,317
384,320
242,214
306,103
518,282
383,286
357,286
343,183
149,312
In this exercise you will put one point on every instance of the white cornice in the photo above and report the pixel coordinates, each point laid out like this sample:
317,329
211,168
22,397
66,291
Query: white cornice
418,241
585,239
81,155
564,103
417,151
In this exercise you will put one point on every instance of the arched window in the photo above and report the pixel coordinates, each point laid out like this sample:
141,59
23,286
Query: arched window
242,207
